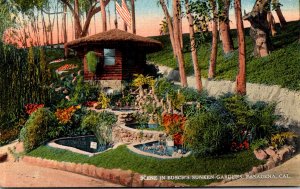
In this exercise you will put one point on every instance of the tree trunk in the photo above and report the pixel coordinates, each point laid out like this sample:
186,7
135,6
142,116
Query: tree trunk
241,77
51,30
133,16
214,46
57,25
45,29
226,38
259,30
271,22
197,71
103,16
65,30
170,25
280,17
77,20
179,53
180,30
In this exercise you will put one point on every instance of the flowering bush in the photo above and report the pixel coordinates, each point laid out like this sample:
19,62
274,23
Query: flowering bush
90,103
66,67
30,108
235,146
57,61
174,125
64,115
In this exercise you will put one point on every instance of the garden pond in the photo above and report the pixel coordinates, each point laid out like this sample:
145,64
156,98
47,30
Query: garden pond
84,144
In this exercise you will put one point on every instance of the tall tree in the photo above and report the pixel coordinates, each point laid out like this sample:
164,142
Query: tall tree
276,6
103,4
259,30
92,9
241,77
197,71
224,25
177,42
133,16
271,22
214,46
65,33
169,23
174,31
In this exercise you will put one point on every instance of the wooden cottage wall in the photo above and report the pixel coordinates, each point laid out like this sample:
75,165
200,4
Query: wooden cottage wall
127,63
111,72
133,63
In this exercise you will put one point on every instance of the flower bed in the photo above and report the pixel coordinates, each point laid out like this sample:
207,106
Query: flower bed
66,67
30,108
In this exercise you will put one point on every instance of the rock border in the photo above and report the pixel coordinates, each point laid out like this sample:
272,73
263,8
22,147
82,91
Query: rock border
73,149
140,152
126,178
273,158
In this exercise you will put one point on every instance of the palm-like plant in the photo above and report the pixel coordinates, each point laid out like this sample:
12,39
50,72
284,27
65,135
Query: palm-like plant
141,80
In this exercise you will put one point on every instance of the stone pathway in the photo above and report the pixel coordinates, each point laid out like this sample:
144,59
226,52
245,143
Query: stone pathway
21,174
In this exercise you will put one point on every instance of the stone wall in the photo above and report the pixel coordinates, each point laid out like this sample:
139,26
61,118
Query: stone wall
123,177
288,101
123,134
113,84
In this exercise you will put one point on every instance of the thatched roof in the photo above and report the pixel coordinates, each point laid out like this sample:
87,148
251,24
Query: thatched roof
116,38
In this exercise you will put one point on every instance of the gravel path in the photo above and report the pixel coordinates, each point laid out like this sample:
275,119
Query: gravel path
21,174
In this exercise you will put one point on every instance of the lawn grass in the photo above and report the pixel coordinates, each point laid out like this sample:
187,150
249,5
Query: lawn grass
123,158
281,67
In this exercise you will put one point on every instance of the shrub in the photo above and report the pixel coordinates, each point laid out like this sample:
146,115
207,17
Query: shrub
101,124
249,122
259,144
103,101
174,126
163,87
8,135
191,94
38,129
205,134
92,61
30,108
64,115
279,139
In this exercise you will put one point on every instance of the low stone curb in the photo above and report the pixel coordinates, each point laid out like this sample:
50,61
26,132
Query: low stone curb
126,178
273,157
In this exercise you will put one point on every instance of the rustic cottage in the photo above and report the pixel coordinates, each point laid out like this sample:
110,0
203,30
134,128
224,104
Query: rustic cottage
113,56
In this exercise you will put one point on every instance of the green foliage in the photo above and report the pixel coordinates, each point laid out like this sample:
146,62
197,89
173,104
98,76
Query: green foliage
82,91
141,118
259,144
141,80
101,124
191,94
163,87
279,139
249,122
205,134
38,129
23,80
103,100
92,61
279,68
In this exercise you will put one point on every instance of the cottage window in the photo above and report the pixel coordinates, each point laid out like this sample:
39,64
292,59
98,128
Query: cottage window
109,57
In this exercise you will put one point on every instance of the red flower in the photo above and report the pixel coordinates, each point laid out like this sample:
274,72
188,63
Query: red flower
90,103
30,108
